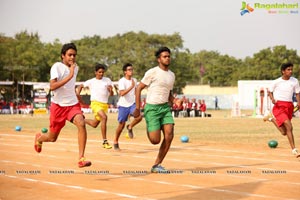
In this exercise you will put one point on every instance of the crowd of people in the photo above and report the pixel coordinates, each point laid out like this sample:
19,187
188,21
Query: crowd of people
184,107
13,107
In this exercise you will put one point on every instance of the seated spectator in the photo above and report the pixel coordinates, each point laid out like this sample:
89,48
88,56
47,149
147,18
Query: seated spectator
188,106
184,104
202,108
177,107
11,106
194,111
143,103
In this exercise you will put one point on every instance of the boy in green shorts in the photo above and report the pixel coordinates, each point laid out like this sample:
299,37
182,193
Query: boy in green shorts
160,81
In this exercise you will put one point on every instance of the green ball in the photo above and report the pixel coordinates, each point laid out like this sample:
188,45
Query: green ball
44,130
273,143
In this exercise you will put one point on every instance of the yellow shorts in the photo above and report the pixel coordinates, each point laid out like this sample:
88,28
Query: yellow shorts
96,107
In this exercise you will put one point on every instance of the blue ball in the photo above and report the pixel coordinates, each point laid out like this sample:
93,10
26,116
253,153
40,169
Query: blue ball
18,128
184,139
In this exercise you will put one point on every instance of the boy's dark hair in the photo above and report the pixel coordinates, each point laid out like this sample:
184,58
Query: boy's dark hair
160,50
100,66
286,65
66,47
126,65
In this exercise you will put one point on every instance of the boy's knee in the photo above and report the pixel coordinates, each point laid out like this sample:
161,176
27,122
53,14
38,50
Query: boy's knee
104,118
154,137
94,125
155,141
52,139
283,133
81,123
169,137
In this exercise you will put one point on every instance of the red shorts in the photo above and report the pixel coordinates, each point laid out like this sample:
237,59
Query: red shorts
59,115
283,111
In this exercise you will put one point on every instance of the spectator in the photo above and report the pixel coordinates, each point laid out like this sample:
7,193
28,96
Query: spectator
188,106
202,108
11,107
216,103
177,107
143,103
194,109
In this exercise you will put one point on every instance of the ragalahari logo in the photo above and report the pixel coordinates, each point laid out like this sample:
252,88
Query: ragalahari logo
246,8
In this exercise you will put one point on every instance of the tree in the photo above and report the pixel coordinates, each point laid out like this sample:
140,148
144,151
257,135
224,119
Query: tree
218,68
265,65
136,48
181,66
6,57
49,55
25,57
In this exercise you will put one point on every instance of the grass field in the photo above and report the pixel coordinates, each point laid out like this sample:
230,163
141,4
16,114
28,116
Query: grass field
226,158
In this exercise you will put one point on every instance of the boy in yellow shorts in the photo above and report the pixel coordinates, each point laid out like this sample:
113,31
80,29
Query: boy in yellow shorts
100,88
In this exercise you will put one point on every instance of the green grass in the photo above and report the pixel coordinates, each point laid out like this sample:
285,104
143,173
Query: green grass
220,128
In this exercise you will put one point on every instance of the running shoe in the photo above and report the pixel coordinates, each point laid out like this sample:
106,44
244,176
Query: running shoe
116,147
268,117
37,144
130,132
84,163
106,145
159,169
296,108
295,151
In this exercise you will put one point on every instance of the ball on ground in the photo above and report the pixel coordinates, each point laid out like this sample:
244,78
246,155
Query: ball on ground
18,128
127,136
273,143
44,130
184,139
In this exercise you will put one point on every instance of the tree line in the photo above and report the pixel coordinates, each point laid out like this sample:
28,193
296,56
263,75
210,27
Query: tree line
26,57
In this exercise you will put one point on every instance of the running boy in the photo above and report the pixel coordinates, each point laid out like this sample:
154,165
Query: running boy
281,95
100,88
126,103
160,82
64,103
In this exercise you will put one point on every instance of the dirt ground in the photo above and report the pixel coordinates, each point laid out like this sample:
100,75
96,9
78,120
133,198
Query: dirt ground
198,170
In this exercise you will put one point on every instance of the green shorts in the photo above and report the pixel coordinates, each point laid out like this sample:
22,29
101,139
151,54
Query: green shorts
157,115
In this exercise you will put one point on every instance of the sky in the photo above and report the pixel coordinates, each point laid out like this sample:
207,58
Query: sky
203,25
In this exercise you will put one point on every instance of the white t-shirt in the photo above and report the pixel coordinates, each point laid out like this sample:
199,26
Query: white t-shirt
65,95
98,89
129,98
283,90
159,83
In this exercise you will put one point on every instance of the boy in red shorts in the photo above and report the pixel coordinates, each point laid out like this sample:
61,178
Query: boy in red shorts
64,103
281,95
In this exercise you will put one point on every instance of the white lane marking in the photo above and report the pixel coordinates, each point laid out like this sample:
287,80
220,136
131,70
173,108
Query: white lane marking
76,187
